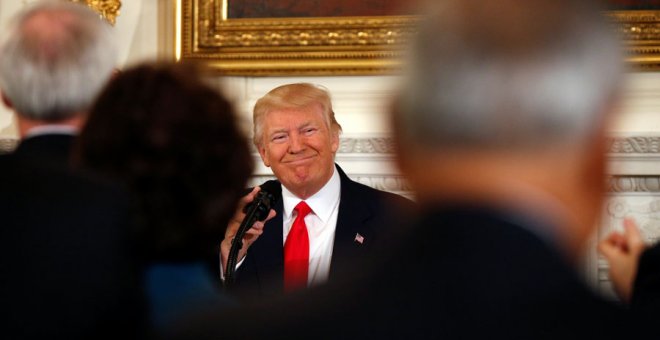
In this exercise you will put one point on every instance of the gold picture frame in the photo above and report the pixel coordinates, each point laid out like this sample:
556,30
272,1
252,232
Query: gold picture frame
291,46
107,9
641,33
340,45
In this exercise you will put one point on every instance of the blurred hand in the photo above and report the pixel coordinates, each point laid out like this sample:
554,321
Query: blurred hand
250,236
623,251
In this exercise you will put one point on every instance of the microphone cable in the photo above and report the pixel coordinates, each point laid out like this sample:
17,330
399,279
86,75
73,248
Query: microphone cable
257,210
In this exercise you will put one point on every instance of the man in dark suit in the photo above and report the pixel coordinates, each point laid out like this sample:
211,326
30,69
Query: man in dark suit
67,262
297,136
501,125
65,254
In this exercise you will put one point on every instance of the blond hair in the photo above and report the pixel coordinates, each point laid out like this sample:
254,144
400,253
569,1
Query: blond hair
293,96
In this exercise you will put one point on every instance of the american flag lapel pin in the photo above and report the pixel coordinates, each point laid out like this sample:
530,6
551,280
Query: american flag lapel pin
359,238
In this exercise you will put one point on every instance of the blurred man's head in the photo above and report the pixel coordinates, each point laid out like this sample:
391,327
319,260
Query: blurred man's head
297,136
507,95
56,57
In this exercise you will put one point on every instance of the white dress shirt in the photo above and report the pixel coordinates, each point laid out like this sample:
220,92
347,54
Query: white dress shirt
50,129
321,224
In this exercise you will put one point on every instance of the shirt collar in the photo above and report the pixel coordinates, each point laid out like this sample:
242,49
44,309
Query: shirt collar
51,129
322,203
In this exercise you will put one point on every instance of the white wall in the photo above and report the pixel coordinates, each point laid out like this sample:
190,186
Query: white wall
7,10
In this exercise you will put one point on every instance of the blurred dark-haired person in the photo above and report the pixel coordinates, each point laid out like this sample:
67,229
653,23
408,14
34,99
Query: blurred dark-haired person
65,252
500,124
325,222
173,141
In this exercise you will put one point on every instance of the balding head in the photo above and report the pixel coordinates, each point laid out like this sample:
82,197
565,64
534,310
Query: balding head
506,104
509,73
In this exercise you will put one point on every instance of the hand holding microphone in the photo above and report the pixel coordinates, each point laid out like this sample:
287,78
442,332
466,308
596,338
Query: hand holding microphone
247,225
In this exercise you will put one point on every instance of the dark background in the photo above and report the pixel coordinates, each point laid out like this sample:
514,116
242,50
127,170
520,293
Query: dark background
313,8
633,4
342,8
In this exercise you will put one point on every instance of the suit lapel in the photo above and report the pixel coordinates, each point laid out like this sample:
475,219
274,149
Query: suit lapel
268,251
353,213
352,219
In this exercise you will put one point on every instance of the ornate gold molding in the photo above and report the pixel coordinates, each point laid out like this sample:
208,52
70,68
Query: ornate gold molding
107,9
303,46
340,45
641,33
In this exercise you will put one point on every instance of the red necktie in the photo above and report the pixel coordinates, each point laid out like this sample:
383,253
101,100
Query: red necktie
296,251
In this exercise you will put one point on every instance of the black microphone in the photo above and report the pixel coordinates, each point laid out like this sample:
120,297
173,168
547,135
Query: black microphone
257,210
265,199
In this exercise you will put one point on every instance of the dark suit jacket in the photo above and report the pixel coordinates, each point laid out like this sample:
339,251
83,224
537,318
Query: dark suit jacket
51,150
65,253
362,210
460,272
645,300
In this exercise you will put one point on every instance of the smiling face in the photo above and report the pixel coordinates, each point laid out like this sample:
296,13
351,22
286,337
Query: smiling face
299,147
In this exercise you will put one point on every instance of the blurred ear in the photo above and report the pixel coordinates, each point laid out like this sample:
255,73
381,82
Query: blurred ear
595,165
598,146
7,102
593,175
335,140
402,158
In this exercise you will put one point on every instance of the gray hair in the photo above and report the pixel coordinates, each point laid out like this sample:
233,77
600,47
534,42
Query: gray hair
55,57
509,73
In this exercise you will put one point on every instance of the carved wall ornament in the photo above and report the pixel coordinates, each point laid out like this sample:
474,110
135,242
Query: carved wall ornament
634,184
644,208
636,144
366,145
7,145
107,9
617,145
385,145
646,213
